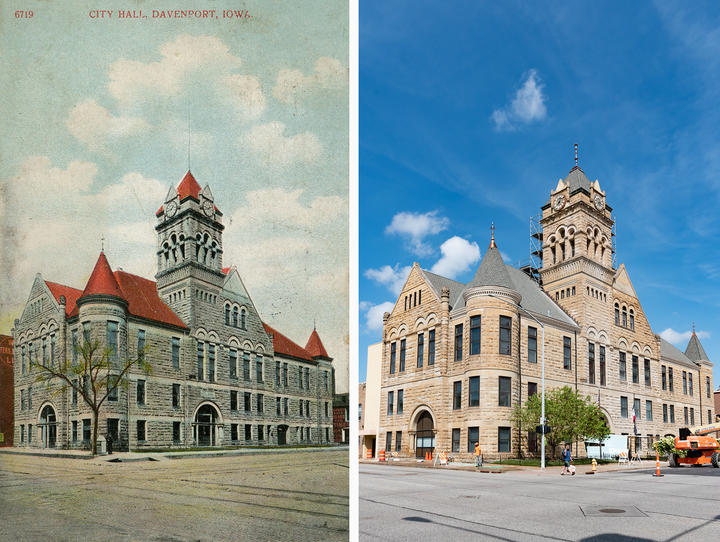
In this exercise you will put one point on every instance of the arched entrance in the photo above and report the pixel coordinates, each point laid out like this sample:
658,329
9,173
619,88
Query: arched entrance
207,430
282,434
425,436
48,427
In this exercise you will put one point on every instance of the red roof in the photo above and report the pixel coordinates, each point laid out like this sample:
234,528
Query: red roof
226,270
144,300
188,187
102,280
315,346
283,345
71,295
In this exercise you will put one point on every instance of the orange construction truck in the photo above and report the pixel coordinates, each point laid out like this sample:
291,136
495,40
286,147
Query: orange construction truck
700,449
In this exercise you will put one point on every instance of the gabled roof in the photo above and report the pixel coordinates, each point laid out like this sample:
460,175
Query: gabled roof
694,350
71,295
439,282
576,179
102,281
144,301
315,346
283,345
668,351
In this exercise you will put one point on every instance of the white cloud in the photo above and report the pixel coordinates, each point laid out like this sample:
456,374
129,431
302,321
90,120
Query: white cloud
269,145
527,106
677,337
374,314
393,278
94,125
291,84
416,227
246,94
458,255
130,79
506,257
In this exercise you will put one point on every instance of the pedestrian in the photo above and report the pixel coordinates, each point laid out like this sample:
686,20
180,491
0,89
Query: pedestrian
567,458
478,456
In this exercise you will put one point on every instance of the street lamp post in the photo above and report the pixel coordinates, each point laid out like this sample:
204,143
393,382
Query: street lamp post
542,385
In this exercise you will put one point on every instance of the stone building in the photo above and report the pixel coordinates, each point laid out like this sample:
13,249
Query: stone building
456,357
7,402
220,375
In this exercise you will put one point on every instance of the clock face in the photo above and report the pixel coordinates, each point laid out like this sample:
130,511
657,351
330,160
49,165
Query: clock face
171,209
208,207
599,203
559,202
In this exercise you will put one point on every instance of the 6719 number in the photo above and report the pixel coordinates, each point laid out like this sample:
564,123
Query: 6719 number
23,14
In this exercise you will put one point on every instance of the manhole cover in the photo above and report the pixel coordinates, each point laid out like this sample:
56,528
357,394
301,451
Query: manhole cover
606,511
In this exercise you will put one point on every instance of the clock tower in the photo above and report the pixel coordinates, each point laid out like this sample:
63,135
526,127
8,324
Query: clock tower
189,251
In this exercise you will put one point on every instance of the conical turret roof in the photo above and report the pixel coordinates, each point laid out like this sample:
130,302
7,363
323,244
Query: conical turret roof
102,281
315,346
694,350
188,187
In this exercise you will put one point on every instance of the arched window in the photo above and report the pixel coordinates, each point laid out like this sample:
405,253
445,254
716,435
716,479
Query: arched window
227,314
242,319
632,320
235,317
553,253
624,323
617,314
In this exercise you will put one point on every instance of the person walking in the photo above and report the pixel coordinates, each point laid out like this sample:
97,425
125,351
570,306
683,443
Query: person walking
478,455
567,458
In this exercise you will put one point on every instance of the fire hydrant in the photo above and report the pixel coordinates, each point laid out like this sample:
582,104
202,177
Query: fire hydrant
594,465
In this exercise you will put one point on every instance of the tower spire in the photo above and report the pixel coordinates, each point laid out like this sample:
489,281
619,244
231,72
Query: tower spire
575,154
492,235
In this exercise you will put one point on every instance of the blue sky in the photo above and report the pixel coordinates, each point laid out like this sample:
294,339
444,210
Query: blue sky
100,118
468,115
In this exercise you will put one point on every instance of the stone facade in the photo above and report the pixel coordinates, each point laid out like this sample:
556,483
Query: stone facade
220,376
457,357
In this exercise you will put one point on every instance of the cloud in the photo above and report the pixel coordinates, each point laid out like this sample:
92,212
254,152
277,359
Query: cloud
677,337
94,125
292,84
458,255
269,145
187,55
393,278
527,106
374,314
416,227
246,94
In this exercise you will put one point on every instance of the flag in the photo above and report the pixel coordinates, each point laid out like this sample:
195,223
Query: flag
632,412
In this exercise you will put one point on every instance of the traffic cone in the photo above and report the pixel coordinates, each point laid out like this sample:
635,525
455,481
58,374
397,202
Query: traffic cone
657,464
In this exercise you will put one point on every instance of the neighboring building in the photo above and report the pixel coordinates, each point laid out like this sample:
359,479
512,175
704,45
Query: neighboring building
369,403
457,357
341,418
716,398
220,376
7,402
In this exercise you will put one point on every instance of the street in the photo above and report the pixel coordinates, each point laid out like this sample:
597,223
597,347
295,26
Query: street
300,495
411,504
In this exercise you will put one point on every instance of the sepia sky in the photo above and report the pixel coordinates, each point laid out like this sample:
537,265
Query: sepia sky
101,115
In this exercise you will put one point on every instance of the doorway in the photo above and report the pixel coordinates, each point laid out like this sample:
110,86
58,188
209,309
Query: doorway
425,436
48,427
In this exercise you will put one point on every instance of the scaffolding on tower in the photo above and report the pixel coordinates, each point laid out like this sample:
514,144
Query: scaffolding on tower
613,240
532,266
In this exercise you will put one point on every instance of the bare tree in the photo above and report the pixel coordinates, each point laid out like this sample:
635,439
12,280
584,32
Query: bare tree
95,374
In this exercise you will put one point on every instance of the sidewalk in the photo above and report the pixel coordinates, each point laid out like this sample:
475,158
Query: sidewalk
123,457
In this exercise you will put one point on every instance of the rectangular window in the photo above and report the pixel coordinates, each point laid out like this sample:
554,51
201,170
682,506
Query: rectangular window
648,411
663,377
503,439
22,434
200,360
248,431
307,413
233,363
247,402
141,344
30,433
672,413
52,349
258,369
176,395
647,372
474,335
690,383
431,347
473,437
532,389
602,365
566,353
176,431
327,407
75,392
456,440
532,345
665,414
86,430
532,441
278,406
277,373
112,340
300,407
233,400
392,360
636,408
398,441
458,342
74,348
402,355
685,411
707,385
234,432
623,407
285,375
261,432
420,349
22,399
474,391
112,388
29,396
260,403
246,366
685,383
504,391
285,405
670,378
692,416
211,363
74,431
623,369
635,370
391,400
591,363
388,442
175,354
307,378
400,402
140,392
325,376
457,395
505,335
710,417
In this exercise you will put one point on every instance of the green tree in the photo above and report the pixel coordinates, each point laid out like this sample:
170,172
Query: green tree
569,416
95,374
